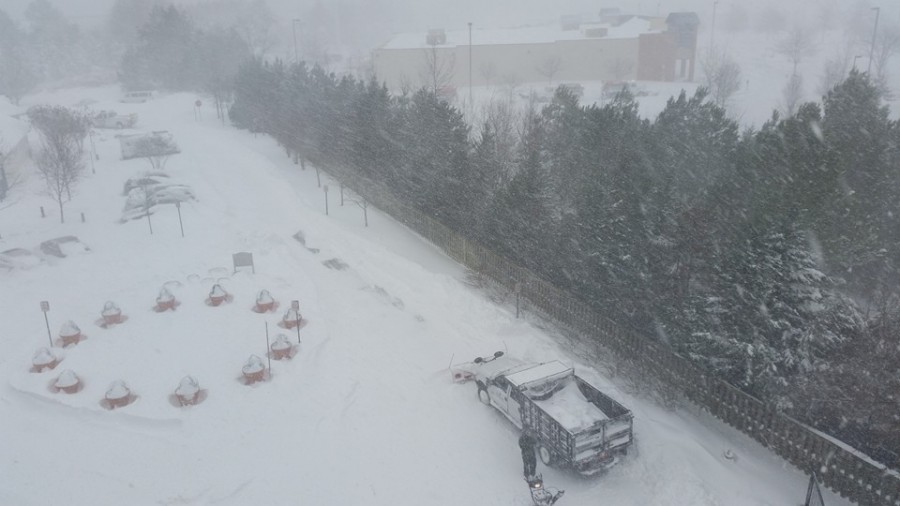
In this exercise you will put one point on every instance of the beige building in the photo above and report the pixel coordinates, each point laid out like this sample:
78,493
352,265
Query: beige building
613,48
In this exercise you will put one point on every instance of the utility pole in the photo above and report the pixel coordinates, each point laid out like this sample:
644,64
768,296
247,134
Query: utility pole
471,103
872,49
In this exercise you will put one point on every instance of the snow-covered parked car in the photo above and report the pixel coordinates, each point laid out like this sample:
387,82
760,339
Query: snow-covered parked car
111,119
149,190
64,246
576,425
19,258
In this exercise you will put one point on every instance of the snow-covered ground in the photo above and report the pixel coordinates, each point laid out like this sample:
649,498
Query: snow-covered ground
364,414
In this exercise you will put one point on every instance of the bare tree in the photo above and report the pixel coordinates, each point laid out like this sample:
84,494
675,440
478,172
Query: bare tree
723,77
254,23
835,71
792,94
549,68
62,134
488,71
156,149
4,180
438,71
796,45
7,181
60,165
511,82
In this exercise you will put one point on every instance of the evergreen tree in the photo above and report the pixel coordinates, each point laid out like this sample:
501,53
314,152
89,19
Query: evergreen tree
220,54
853,227
521,220
436,138
164,55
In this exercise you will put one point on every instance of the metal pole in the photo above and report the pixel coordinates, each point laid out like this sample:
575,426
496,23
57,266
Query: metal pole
49,337
294,29
471,103
180,224
518,289
326,199
712,28
93,151
874,32
268,350
295,305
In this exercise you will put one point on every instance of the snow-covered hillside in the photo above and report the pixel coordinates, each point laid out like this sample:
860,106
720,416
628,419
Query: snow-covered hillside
365,412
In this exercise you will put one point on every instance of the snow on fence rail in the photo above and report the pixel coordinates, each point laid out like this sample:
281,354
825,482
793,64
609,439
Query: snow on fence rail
843,470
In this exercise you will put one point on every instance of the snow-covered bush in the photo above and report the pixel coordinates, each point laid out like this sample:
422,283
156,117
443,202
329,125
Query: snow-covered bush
254,365
264,298
69,329
67,379
118,390
43,357
110,309
217,291
188,387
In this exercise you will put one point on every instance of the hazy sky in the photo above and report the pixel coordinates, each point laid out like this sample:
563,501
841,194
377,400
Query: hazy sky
408,13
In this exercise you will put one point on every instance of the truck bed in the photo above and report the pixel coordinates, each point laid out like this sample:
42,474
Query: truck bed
571,409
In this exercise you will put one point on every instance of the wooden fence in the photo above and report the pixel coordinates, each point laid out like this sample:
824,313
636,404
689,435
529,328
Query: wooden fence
842,469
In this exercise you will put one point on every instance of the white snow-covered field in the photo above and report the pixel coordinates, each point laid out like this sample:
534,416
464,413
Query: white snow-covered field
364,414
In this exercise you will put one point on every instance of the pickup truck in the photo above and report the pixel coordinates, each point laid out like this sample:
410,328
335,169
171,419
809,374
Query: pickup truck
576,425
110,119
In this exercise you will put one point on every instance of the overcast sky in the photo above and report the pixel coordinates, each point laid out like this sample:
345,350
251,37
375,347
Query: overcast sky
409,13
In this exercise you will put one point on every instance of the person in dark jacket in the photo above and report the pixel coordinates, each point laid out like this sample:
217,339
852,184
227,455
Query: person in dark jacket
527,444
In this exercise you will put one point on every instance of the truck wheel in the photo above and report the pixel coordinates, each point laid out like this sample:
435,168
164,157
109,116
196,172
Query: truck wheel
545,455
484,396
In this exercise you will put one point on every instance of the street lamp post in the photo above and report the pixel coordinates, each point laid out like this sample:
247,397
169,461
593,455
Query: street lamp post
471,104
712,28
294,30
93,151
874,32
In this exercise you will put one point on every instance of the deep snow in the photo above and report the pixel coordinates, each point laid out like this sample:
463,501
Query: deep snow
365,412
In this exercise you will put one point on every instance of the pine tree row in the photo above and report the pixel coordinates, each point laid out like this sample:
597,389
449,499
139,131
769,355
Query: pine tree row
767,256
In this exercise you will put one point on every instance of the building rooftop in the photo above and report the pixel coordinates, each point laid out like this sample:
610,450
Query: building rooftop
631,28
